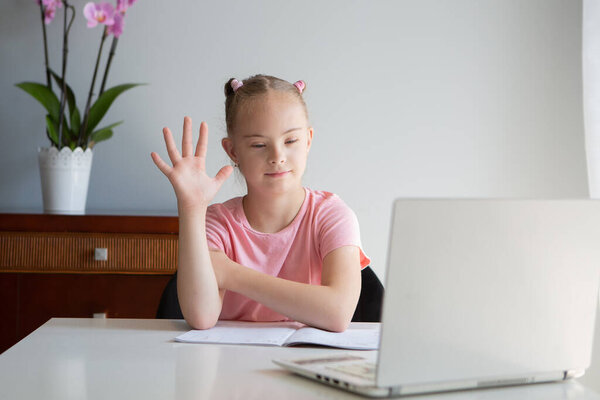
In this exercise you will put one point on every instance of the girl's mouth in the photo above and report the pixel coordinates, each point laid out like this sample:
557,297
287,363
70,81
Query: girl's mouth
277,174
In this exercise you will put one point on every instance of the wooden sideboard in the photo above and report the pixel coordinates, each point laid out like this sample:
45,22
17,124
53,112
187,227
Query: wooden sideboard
48,268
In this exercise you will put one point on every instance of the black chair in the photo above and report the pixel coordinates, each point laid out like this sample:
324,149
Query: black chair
169,308
368,308
370,301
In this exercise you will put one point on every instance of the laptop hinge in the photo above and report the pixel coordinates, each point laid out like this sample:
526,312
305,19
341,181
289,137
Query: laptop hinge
573,373
395,390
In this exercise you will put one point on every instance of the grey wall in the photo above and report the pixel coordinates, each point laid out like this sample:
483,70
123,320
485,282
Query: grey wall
408,98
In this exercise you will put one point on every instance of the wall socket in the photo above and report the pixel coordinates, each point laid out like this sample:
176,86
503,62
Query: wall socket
100,254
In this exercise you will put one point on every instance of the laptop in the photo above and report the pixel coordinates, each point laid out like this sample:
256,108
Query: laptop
479,293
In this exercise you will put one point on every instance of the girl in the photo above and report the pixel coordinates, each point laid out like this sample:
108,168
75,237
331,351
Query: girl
282,252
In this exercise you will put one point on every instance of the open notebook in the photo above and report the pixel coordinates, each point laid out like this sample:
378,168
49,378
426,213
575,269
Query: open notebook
360,336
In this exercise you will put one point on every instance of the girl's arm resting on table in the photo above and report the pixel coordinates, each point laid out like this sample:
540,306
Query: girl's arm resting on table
198,292
329,306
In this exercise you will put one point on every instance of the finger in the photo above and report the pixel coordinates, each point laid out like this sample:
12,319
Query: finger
223,174
202,140
163,166
171,147
187,143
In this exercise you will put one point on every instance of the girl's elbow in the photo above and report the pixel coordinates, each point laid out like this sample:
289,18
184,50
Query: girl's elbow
201,325
339,316
338,328
201,322
339,322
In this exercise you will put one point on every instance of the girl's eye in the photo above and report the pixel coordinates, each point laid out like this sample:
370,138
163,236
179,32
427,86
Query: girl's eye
258,146
291,141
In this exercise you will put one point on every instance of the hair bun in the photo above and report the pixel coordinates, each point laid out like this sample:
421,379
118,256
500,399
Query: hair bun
235,84
300,85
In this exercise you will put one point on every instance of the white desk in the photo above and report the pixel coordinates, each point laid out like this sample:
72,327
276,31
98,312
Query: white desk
137,359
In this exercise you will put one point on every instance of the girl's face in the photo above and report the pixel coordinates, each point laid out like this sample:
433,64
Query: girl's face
270,143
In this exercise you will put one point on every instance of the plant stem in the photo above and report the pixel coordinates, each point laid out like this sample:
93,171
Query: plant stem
64,70
82,133
48,78
110,57
63,89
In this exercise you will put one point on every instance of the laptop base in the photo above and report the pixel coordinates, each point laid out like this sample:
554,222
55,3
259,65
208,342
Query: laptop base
325,370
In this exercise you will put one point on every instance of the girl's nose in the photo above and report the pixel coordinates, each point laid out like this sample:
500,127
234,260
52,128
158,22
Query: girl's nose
277,156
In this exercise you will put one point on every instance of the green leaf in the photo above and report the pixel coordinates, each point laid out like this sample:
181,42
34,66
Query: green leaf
75,119
48,135
103,103
75,122
67,134
110,126
70,95
101,135
52,130
44,95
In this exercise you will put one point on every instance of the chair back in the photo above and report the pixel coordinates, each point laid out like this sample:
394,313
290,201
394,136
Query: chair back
368,308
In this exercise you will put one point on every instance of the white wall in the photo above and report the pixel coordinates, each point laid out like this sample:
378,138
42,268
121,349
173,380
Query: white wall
408,98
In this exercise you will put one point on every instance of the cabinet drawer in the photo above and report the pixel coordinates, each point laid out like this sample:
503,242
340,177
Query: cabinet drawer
74,252
30,299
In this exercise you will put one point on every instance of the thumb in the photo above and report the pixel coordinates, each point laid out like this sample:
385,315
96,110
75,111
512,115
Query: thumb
223,174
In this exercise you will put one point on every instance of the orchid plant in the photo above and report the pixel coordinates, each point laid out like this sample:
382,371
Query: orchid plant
74,131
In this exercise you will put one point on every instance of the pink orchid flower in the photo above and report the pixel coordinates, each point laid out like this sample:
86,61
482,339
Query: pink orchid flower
52,3
49,13
50,7
123,5
102,13
116,28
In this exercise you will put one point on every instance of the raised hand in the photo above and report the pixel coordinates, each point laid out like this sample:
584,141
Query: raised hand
193,187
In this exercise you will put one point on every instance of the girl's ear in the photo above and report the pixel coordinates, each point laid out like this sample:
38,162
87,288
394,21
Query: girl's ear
309,139
227,144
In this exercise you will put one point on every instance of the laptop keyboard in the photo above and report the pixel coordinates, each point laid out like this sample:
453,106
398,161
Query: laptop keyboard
364,370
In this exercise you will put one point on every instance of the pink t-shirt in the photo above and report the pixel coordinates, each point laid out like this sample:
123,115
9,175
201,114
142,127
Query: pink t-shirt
323,224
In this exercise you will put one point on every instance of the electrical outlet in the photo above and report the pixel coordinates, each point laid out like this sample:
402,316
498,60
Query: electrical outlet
100,254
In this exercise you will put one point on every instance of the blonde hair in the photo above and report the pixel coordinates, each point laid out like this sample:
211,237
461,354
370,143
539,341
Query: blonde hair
253,88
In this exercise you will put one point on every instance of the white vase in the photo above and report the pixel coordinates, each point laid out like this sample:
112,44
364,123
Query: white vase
65,175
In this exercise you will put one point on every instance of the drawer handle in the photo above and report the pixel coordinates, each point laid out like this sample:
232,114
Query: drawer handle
100,254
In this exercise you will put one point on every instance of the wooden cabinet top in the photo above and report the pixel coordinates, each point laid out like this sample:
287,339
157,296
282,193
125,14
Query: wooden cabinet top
88,223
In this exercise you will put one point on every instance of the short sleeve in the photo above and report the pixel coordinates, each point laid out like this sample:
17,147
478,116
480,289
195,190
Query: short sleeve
216,229
338,227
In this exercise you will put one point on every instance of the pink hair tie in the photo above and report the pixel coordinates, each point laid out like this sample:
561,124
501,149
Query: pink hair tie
300,85
235,85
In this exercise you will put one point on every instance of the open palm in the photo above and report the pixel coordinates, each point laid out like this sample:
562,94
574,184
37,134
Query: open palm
193,187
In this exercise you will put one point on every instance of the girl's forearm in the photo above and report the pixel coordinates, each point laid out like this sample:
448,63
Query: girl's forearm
323,307
197,287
